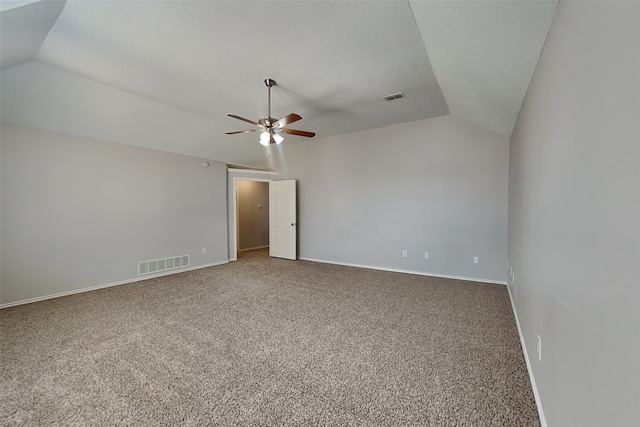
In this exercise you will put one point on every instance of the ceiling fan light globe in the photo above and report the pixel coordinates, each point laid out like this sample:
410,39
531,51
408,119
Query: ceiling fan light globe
278,138
264,138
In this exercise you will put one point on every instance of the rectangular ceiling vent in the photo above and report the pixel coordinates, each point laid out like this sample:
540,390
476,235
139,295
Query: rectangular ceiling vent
164,264
393,96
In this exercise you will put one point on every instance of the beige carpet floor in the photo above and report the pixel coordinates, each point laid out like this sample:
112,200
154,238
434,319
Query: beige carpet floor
268,342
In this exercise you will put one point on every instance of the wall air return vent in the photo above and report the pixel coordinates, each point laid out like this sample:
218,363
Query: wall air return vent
160,265
393,96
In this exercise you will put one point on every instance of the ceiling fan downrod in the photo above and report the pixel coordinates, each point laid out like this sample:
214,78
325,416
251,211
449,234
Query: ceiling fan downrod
270,83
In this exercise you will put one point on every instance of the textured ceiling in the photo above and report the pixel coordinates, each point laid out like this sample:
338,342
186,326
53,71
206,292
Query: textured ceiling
23,28
333,62
484,54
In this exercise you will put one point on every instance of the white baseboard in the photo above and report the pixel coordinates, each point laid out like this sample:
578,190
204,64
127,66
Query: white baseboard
253,249
396,270
536,395
108,285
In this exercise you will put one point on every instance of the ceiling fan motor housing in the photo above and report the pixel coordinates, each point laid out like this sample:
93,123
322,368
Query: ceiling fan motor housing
267,122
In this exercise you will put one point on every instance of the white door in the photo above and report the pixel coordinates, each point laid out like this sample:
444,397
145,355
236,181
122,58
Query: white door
282,219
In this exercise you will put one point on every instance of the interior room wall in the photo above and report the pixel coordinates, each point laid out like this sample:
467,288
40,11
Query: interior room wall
253,214
79,213
574,210
436,186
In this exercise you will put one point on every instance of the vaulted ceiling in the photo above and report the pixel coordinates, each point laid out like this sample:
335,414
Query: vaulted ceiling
166,74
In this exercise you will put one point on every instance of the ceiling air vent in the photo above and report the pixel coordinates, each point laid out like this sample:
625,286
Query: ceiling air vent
393,96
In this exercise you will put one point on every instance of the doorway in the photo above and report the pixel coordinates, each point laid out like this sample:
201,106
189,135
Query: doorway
251,214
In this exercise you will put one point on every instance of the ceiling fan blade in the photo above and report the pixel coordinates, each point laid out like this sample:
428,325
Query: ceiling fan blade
293,117
298,132
244,120
242,131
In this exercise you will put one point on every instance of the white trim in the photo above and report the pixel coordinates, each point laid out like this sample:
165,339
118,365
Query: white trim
108,285
536,395
397,270
233,234
253,249
252,171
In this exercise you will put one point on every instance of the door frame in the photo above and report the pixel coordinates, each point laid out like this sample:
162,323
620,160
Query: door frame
234,208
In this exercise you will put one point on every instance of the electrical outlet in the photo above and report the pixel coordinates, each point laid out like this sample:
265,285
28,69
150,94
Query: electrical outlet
405,253
426,255
204,251
539,347
476,260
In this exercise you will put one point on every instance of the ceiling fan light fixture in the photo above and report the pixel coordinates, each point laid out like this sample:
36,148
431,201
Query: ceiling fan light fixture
277,138
264,138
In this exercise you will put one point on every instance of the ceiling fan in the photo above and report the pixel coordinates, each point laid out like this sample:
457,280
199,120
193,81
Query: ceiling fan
271,129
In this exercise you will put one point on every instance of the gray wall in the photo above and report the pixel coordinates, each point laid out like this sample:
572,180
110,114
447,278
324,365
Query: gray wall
437,186
574,216
253,214
80,213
